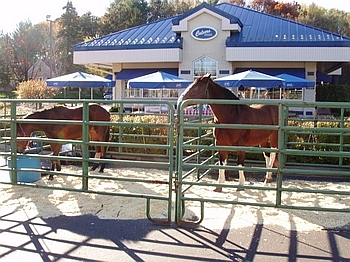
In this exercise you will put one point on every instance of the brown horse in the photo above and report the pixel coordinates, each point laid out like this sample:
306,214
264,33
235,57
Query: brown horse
66,131
205,88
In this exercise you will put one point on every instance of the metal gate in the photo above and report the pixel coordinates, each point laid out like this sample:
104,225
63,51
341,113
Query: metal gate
311,139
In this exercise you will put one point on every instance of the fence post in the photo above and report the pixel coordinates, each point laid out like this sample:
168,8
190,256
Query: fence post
85,146
13,144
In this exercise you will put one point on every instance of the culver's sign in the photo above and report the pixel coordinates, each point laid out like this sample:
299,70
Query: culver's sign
204,33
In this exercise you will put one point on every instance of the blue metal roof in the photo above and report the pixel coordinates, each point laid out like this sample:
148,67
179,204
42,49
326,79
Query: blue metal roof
158,34
233,19
258,29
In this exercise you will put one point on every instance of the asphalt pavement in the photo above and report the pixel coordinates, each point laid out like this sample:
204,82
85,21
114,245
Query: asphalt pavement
89,238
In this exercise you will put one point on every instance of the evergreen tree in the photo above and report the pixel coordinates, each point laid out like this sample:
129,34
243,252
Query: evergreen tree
124,14
68,35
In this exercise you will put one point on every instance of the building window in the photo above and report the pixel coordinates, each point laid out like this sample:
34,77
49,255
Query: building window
163,93
205,65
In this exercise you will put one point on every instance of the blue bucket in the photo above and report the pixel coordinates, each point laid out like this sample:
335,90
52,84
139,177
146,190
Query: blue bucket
26,162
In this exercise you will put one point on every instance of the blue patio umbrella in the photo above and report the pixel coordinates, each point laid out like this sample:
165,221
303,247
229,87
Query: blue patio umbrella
296,82
79,79
250,78
159,80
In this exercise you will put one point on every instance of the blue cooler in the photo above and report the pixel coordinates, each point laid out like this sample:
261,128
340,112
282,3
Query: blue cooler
26,162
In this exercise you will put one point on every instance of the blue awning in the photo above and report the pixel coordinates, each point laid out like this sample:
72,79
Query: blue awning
296,82
250,78
79,79
126,74
299,72
323,77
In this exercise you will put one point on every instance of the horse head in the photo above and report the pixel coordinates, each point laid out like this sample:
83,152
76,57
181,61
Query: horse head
197,90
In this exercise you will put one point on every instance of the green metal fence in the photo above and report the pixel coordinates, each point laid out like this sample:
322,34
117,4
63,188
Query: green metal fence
315,149
301,155
117,155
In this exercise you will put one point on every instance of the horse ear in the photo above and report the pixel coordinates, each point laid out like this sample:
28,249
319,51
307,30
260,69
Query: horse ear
207,75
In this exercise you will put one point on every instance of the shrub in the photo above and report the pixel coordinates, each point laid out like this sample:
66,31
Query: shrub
35,89
156,133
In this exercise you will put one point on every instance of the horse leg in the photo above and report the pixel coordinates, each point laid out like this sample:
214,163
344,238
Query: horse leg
270,160
240,163
101,151
96,164
103,155
223,155
55,164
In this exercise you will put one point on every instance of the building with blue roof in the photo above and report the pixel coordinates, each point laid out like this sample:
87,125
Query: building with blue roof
223,39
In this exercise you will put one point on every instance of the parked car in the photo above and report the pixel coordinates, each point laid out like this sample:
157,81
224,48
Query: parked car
108,95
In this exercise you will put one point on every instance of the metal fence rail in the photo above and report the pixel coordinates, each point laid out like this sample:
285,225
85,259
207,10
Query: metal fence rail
192,170
184,147
8,151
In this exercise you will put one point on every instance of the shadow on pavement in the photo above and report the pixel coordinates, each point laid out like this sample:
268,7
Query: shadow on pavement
89,238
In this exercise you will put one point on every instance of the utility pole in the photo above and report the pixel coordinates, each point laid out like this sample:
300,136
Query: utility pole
50,54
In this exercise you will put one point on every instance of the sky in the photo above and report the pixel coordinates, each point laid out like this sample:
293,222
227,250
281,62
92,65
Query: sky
35,11
16,11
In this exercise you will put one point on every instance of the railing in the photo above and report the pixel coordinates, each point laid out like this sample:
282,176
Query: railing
9,141
309,148
193,171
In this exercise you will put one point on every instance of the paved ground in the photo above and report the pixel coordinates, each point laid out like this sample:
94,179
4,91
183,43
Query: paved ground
88,238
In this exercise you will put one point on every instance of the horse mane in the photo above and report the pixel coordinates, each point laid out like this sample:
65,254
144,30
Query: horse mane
227,92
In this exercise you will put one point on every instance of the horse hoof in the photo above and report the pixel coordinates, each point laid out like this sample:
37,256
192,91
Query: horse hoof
240,189
218,189
94,166
50,177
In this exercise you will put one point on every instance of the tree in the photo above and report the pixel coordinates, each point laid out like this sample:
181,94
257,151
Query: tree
28,47
212,2
237,2
333,93
332,20
67,36
158,9
183,6
6,62
124,14
88,25
286,10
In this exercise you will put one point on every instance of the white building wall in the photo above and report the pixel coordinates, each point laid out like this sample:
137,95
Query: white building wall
194,49
128,56
309,54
